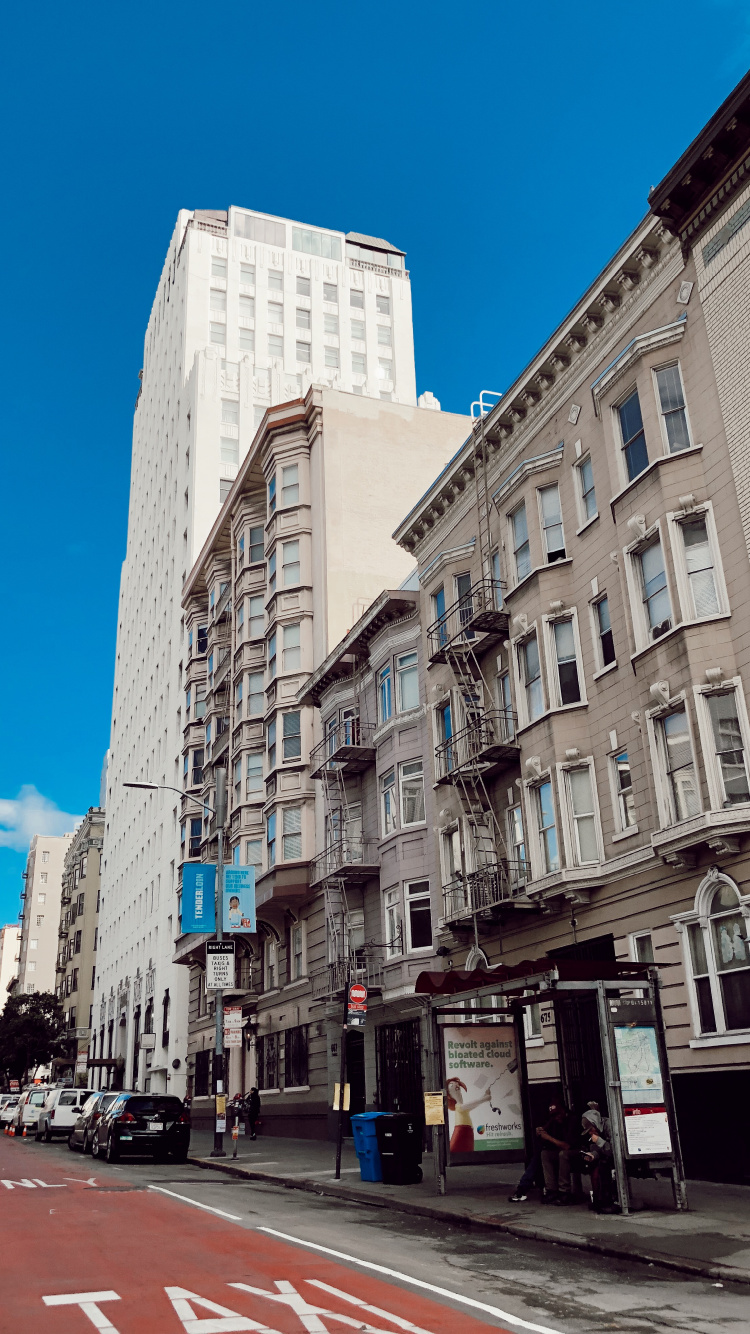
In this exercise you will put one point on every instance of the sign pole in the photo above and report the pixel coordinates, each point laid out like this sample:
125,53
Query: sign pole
218,1150
342,1077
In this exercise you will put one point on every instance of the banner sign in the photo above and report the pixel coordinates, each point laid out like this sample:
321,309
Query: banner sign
638,1064
239,900
198,903
219,964
482,1081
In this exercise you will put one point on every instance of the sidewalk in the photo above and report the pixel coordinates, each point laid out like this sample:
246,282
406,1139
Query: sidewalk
712,1239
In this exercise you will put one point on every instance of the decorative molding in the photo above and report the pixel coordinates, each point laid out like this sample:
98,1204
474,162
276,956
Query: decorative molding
641,344
443,558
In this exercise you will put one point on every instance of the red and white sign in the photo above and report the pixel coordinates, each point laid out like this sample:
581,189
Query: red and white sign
232,1016
357,996
14,1086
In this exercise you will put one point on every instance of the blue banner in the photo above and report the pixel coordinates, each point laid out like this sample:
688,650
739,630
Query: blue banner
239,899
198,897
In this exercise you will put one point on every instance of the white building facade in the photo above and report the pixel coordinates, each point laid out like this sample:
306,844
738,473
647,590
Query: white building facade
10,944
41,913
249,312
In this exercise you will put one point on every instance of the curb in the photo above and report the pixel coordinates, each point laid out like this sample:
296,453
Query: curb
528,1232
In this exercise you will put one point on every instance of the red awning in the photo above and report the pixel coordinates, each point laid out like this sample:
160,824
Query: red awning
457,980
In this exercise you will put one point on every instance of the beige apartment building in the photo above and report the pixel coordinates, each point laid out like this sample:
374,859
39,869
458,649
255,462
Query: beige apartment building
43,877
77,945
583,566
301,547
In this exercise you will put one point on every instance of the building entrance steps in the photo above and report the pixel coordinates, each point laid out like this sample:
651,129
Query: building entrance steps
712,1239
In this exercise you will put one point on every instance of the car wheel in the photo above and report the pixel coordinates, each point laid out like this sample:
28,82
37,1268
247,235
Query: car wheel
112,1153
95,1146
71,1142
48,1134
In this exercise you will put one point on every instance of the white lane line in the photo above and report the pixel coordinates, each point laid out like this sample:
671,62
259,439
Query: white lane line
417,1283
235,1218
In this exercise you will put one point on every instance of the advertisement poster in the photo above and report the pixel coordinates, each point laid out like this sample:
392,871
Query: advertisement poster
239,899
638,1062
198,903
647,1131
483,1087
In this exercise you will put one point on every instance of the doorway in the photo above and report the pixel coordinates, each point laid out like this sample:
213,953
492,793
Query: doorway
399,1067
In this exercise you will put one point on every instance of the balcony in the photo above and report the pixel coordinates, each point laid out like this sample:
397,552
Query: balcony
223,664
474,622
62,933
221,740
223,602
489,888
350,859
486,744
366,968
347,749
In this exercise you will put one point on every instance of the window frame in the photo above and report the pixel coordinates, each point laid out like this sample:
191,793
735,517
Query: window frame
714,779
699,918
518,578
389,789
583,517
622,830
620,402
384,676
412,670
571,840
662,415
393,913
636,586
422,897
403,779
549,557
554,689
537,849
519,646
675,521
596,634
664,799
291,736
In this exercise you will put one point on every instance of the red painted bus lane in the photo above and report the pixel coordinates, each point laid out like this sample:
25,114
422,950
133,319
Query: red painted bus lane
82,1250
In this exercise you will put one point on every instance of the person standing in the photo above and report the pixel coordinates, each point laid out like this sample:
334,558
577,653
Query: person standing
557,1136
252,1111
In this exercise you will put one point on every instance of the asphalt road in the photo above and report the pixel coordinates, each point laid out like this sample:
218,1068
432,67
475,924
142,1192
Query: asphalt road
172,1248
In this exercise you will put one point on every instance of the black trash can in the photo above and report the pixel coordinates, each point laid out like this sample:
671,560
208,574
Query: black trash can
400,1144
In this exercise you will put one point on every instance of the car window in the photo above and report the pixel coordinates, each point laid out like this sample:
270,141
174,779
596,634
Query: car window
90,1103
107,1100
155,1105
69,1099
37,1099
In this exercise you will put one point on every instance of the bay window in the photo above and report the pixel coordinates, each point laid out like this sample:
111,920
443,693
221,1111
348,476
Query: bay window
654,591
407,681
552,526
719,958
292,833
385,698
676,752
531,677
411,778
546,826
393,933
605,639
521,548
418,915
567,685
674,420
582,812
700,567
388,801
633,436
292,648
586,490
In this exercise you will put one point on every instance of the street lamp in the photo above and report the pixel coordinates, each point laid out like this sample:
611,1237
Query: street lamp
220,811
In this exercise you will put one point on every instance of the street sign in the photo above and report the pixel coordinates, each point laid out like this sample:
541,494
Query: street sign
14,1086
233,1016
232,1037
219,964
357,996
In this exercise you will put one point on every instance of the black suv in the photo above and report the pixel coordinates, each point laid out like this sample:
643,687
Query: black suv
143,1123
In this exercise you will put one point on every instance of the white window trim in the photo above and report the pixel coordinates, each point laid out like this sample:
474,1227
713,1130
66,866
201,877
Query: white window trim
518,579
520,689
622,468
636,935
705,729
583,518
621,830
632,553
302,924
531,824
406,925
414,824
566,810
601,669
542,530
658,759
698,915
680,564
553,684
657,400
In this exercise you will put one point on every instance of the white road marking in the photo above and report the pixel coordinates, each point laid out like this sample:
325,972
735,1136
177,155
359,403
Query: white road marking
365,1306
310,1316
417,1283
10,1185
228,1320
83,1181
88,1302
235,1218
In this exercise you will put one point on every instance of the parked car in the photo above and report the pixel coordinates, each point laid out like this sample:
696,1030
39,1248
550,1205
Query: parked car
29,1106
8,1110
156,1124
61,1109
84,1128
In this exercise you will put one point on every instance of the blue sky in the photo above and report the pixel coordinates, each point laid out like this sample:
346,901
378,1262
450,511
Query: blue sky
508,150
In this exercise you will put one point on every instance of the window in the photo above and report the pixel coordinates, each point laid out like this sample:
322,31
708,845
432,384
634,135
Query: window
728,747
303,286
292,649
295,1054
41,898
679,767
275,280
531,677
393,932
545,817
642,947
247,339
700,566
580,789
247,307
217,333
275,312
358,329
302,318
383,305
720,958
290,563
218,300
255,553
552,528
271,839
516,845
623,782
253,773
238,698
256,619
331,357
385,370
438,611
34,943
331,324
521,549
418,915
272,572
412,793
195,836
315,243
290,485
407,681
197,774
655,594
255,695
359,363
604,632
505,705
275,345
271,743
384,335
272,656
302,352
388,798
568,683
253,852
230,411
218,267
633,435
296,952
385,700
292,833
42,877
267,1048
673,413
497,583
292,736
45,858
247,275
229,450
240,621
357,299
330,292
587,493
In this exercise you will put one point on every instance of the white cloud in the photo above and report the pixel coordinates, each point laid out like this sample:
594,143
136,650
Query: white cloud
31,813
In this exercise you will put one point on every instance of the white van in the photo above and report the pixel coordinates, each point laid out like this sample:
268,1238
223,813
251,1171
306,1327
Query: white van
30,1105
60,1112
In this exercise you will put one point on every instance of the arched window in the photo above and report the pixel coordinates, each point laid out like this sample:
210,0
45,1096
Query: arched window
719,956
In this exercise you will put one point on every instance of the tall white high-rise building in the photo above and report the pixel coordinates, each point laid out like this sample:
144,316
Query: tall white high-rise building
249,312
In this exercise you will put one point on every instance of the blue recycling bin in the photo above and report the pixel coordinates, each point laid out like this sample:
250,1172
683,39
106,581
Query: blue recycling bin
366,1145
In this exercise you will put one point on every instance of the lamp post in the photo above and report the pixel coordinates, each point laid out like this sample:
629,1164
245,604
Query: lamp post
220,811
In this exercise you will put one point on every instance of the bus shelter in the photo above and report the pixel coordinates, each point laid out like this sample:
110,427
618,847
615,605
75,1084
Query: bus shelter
610,1048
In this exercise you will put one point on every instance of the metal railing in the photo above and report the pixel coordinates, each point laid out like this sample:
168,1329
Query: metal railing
349,733
475,612
345,854
477,743
487,887
366,968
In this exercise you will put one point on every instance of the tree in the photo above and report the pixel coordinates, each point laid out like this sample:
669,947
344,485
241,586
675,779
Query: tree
30,1027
